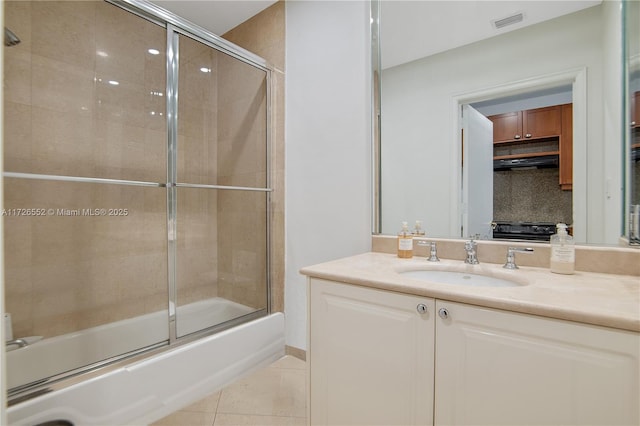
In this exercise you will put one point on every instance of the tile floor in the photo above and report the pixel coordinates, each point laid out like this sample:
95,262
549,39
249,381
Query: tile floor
273,396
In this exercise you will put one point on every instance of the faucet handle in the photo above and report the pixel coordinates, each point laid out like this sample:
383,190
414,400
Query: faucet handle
433,254
511,256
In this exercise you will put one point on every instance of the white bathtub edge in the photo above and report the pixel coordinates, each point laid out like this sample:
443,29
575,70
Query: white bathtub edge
158,386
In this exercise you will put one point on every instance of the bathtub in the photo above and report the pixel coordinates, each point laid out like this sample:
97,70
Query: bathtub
147,390
69,351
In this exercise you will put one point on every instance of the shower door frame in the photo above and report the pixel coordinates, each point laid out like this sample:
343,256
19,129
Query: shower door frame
174,26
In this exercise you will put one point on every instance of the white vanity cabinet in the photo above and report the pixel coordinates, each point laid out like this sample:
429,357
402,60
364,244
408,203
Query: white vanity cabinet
374,359
503,368
370,356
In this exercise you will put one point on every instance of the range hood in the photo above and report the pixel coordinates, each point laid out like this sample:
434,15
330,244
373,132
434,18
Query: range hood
544,161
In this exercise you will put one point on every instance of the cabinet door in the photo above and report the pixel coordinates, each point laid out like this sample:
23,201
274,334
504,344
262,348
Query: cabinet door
542,122
507,126
566,148
500,368
635,109
370,356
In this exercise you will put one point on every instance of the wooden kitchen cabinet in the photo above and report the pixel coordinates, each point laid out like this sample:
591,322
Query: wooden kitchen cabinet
374,359
635,110
522,128
566,148
370,356
507,127
529,124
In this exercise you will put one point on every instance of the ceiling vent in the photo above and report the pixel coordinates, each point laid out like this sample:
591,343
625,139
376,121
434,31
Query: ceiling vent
509,20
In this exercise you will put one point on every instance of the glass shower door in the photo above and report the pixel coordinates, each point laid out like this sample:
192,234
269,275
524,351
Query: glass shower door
221,188
85,175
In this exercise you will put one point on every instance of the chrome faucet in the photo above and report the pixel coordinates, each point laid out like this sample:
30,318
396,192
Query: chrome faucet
511,256
433,253
471,247
20,342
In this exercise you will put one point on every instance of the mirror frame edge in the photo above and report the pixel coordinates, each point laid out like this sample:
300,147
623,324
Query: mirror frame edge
376,141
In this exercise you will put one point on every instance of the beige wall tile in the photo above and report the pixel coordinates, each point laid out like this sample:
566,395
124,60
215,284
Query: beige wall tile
73,272
264,35
65,31
87,269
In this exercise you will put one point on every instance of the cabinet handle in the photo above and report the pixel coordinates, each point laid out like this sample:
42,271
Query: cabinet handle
443,313
517,137
421,308
528,135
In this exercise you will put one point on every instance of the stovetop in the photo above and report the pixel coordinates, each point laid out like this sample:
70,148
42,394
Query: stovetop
538,231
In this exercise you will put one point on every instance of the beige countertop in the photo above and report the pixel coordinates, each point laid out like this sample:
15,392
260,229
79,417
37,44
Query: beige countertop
595,298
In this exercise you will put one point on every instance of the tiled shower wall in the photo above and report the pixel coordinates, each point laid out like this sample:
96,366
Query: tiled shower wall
264,34
78,103
64,117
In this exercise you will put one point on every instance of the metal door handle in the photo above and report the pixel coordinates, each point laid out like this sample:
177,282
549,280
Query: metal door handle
443,313
421,308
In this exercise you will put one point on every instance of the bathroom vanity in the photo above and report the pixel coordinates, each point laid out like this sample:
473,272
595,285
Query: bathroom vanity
388,348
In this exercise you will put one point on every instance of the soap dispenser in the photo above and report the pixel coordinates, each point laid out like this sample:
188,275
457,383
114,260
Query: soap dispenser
418,231
405,242
563,254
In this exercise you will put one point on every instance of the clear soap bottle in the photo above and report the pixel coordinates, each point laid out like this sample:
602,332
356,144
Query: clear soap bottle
418,231
563,252
405,242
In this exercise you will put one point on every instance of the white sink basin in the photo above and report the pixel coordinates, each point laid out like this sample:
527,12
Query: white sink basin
460,278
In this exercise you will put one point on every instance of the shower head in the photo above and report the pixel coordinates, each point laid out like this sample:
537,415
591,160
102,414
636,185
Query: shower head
10,39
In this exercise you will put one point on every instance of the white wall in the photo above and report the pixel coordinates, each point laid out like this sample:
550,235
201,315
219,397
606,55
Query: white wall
418,161
328,146
523,104
612,122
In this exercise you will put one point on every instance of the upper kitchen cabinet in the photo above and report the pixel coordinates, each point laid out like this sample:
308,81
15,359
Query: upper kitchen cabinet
535,133
507,127
635,110
529,124
566,148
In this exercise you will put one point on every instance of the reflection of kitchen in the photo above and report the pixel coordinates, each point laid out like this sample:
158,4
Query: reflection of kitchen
532,178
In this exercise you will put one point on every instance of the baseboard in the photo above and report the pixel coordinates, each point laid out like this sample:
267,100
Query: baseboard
296,352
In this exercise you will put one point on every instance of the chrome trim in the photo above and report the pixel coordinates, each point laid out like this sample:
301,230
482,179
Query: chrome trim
192,30
138,12
376,128
20,342
62,380
268,201
172,176
81,179
213,329
237,188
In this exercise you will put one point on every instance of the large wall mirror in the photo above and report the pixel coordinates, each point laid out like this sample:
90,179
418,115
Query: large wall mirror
631,12
499,119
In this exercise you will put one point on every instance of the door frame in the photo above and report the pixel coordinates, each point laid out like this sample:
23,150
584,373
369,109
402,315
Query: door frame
577,77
